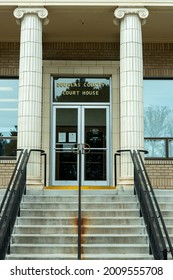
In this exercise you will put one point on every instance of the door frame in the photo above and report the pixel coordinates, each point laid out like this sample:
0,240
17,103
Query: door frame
81,125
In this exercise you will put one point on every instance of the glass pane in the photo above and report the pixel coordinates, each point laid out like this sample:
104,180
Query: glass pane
8,123
66,137
81,89
170,148
8,106
66,166
156,148
95,166
95,128
9,89
66,125
95,136
158,103
8,147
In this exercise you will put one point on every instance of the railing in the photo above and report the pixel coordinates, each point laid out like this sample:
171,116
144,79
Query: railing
80,149
149,208
10,206
11,203
156,204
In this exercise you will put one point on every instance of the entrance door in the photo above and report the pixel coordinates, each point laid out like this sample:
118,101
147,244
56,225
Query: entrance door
85,128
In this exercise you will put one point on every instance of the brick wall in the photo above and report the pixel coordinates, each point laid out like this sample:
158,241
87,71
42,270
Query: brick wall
9,59
158,62
158,57
81,51
160,173
6,169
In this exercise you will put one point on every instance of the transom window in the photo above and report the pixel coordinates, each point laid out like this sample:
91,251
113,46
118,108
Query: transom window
8,116
81,89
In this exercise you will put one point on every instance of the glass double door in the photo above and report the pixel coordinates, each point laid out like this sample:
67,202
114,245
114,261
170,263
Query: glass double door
80,131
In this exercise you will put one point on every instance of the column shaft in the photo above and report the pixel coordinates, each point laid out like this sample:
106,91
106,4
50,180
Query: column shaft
30,88
131,88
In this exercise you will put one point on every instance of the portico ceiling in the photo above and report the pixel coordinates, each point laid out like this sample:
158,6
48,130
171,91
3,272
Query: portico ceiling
88,24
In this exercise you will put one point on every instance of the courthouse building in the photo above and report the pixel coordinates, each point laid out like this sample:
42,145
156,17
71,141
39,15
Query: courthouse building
90,75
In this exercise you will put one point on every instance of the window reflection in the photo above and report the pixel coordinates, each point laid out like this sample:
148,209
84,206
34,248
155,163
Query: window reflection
8,116
158,107
155,148
158,117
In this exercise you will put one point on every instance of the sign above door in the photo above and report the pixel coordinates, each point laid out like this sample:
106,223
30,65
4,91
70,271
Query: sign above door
81,89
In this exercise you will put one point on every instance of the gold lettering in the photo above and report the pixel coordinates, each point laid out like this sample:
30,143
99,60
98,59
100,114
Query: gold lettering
70,92
90,92
87,84
68,84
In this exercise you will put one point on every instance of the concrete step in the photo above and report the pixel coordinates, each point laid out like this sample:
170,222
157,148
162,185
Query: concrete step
113,229
91,221
117,257
41,257
163,192
73,213
84,205
166,205
86,249
167,213
84,198
164,199
88,229
83,257
72,238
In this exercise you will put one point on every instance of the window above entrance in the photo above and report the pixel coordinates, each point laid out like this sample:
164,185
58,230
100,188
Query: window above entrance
81,89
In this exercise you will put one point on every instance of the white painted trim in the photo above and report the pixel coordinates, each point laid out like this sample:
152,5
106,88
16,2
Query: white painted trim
87,3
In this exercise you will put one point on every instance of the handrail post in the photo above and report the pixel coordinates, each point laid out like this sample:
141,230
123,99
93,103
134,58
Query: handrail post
45,167
79,206
42,153
115,168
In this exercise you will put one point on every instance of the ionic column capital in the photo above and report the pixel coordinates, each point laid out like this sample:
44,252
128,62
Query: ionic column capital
40,11
121,12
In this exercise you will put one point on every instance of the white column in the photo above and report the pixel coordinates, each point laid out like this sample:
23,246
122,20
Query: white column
131,86
30,85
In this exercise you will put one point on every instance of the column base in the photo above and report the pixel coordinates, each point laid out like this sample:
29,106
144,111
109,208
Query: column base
34,184
126,183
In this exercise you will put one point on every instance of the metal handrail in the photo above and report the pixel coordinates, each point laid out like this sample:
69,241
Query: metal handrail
79,209
80,149
156,203
152,221
10,206
11,180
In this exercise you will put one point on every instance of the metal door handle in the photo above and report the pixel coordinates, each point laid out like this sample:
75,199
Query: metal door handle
85,148
75,149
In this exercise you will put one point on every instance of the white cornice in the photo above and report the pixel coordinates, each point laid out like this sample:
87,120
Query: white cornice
87,3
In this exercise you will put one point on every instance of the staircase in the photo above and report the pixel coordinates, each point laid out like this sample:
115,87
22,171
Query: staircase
111,227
